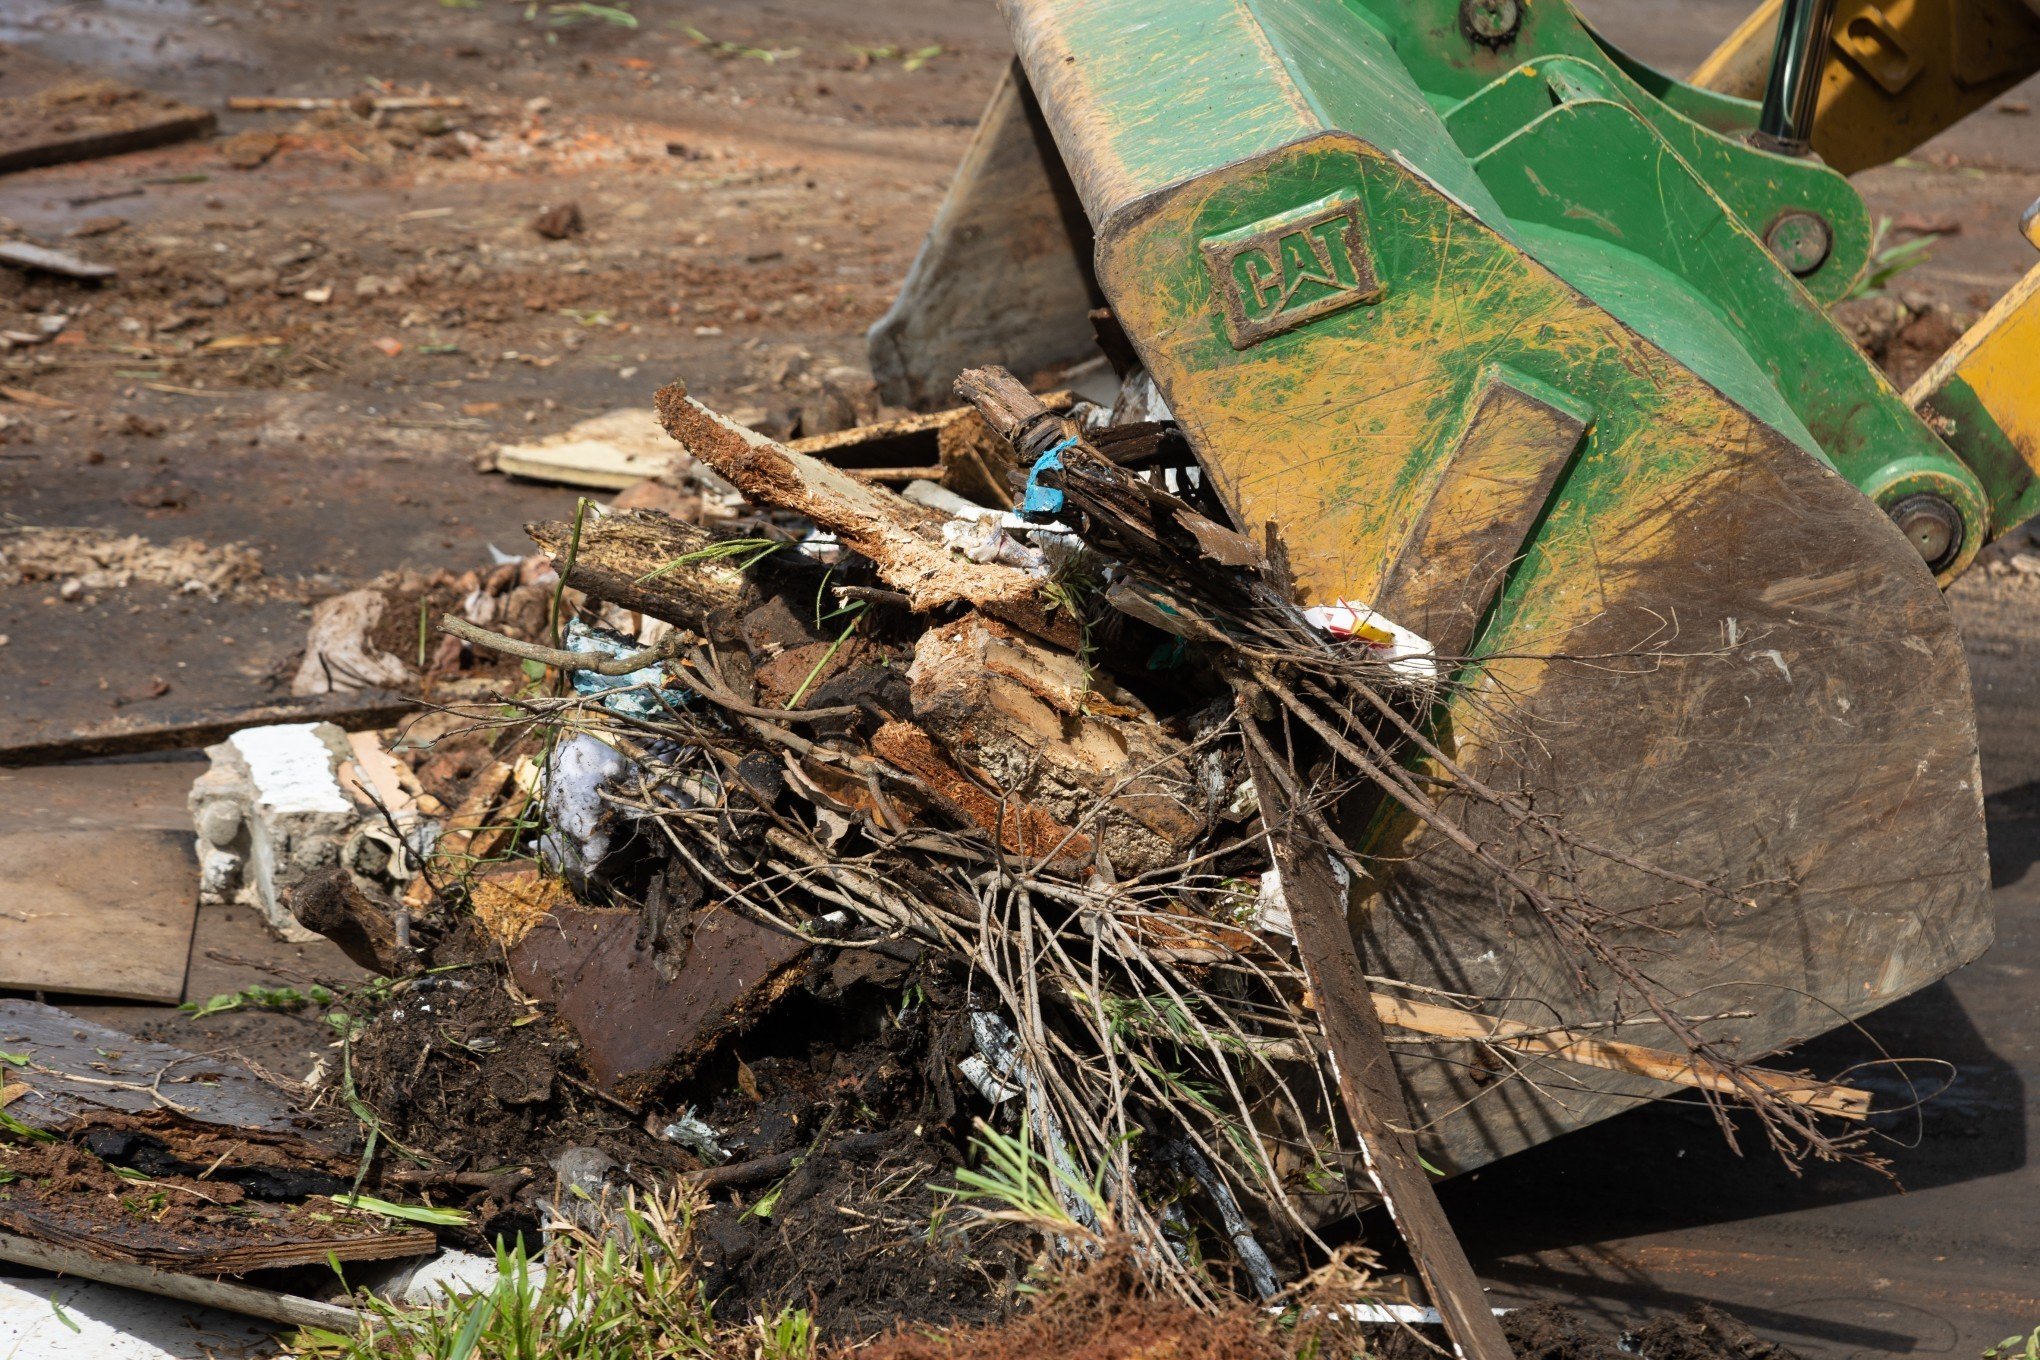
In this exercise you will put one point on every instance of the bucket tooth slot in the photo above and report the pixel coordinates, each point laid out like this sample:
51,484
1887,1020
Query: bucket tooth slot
1515,445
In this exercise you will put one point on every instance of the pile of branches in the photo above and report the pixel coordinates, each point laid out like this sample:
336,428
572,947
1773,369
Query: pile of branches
1157,1009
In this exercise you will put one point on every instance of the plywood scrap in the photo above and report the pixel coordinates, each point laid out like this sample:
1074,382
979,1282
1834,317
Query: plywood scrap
648,1005
96,912
65,1197
77,1071
608,452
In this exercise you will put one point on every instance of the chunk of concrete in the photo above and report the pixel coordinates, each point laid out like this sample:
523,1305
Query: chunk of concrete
270,812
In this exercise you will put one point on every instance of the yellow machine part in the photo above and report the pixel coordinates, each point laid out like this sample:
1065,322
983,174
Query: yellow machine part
1898,71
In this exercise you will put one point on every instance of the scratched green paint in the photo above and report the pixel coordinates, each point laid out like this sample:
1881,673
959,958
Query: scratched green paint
1542,170
1708,130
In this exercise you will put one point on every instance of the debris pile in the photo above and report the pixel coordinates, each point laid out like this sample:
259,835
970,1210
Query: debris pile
919,880
863,856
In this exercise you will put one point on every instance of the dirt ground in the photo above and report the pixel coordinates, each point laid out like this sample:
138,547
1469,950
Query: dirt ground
302,361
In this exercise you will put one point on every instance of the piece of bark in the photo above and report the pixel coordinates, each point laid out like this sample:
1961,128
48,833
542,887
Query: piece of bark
332,904
1369,1089
636,559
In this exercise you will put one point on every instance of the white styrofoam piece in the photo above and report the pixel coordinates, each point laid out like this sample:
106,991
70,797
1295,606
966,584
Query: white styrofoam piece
59,1318
292,768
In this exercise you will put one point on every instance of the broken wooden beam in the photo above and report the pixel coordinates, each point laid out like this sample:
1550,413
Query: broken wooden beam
1369,1089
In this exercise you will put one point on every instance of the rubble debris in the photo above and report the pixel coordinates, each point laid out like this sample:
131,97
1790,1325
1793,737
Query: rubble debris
88,119
273,811
92,562
340,649
248,150
558,222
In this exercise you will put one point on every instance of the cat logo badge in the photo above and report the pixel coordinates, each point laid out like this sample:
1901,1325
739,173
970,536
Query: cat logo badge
1282,272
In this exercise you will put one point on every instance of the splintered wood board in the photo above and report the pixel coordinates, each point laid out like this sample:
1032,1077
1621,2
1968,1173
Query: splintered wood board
87,119
98,880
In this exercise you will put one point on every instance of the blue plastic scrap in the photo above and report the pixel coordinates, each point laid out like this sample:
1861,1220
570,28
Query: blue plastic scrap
1045,502
637,701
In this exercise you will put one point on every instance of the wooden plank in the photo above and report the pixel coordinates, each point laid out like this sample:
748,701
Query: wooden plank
1369,1089
76,1070
1488,499
97,913
257,1236
1844,1102
86,120
355,710
239,1298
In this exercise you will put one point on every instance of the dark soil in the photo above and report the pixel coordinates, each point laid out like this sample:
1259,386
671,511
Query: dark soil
840,1076
1106,1312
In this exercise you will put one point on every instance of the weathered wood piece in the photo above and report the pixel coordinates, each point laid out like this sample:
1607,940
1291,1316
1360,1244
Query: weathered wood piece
23,255
98,887
85,120
896,535
1369,1089
256,1235
77,1070
269,1304
1518,441
646,1014
605,453
97,913
1053,736
331,903
639,559
355,711
1422,1017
